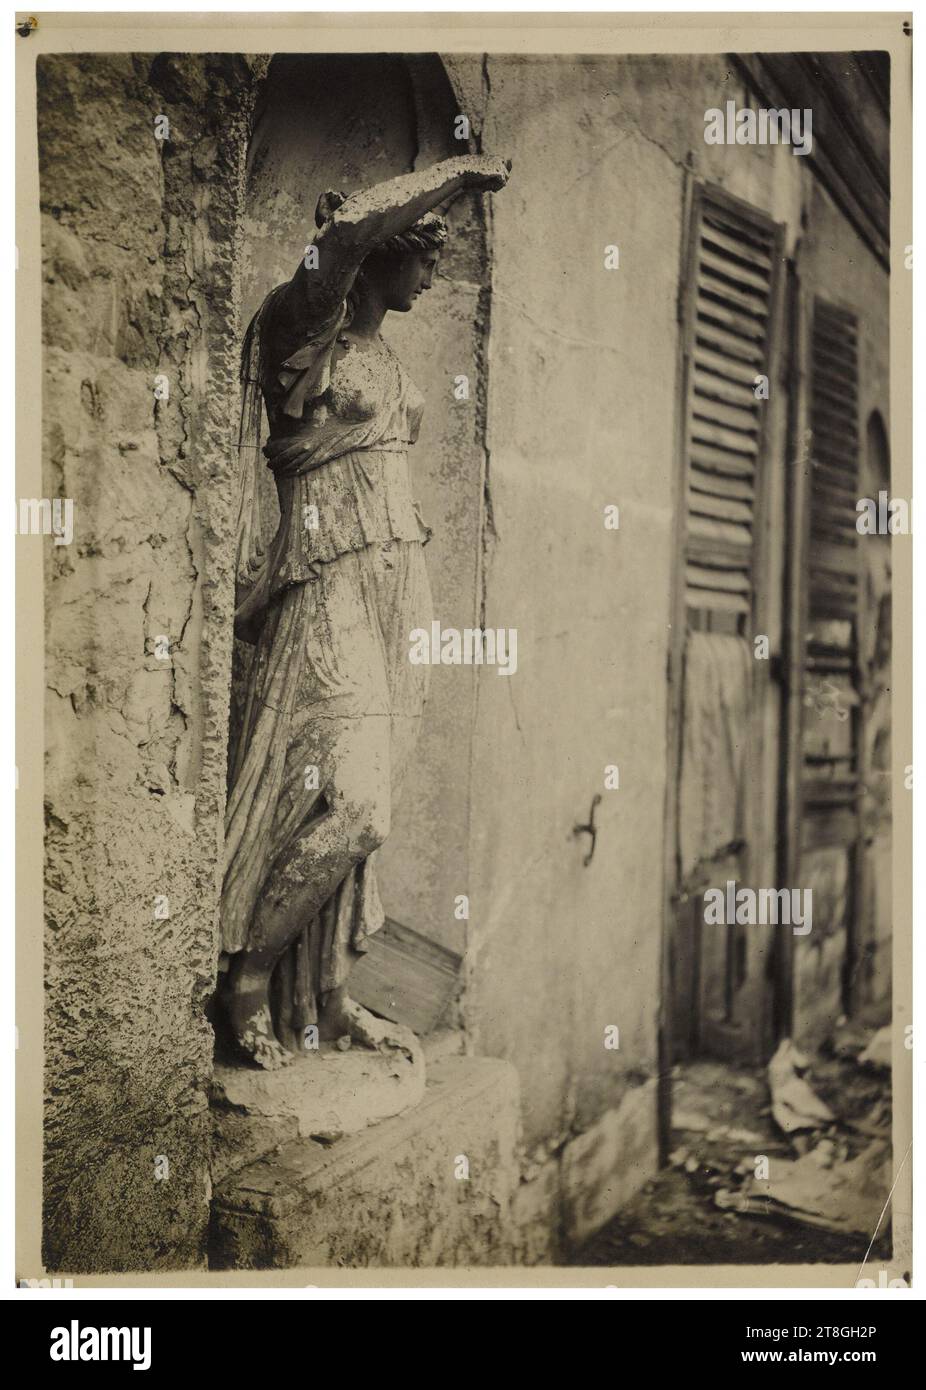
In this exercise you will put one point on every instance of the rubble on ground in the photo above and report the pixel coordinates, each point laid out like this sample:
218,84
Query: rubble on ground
795,1105
878,1051
824,1161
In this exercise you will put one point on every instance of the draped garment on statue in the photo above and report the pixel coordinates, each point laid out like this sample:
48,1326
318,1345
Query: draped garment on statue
329,607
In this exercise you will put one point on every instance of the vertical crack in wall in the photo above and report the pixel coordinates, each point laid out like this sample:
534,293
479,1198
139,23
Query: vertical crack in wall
487,528
484,322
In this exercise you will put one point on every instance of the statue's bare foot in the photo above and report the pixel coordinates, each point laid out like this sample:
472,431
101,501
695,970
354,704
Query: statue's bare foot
346,1018
249,1014
260,1042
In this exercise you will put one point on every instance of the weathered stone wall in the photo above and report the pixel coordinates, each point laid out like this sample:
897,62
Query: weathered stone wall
140,278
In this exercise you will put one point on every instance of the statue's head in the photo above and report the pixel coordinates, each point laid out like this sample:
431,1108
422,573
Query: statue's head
400,269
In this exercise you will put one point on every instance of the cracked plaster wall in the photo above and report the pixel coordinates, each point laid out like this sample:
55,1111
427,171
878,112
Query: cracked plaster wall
582,413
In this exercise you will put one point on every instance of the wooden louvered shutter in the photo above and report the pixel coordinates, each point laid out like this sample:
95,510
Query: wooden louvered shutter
833,563
831,642
730,305
729,311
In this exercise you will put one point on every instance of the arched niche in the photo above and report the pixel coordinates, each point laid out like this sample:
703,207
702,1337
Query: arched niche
876,550
345,122
875,654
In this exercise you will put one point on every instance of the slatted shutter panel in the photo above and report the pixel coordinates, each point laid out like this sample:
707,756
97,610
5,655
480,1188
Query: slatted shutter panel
831,650
833,557
731,299
729,310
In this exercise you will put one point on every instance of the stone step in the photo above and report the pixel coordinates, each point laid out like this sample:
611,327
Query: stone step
430,1187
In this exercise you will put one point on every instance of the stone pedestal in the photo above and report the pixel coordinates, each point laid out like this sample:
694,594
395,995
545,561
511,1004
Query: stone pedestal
323,1096
432,1186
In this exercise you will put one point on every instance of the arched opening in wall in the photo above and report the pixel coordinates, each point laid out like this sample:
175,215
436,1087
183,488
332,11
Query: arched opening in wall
875,665
875,645
877,479
344,123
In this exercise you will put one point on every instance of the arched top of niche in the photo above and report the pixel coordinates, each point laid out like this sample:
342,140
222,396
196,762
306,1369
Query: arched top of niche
877,453
341,121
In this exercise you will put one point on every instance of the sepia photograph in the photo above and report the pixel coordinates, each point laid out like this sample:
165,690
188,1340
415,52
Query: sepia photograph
465,557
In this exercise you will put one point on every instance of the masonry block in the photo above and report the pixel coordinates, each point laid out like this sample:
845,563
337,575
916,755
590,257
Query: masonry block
430,1187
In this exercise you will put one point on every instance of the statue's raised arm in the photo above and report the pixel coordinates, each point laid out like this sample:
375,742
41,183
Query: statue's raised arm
350,227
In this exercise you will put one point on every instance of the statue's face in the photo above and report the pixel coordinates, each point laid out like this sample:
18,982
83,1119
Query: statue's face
410,276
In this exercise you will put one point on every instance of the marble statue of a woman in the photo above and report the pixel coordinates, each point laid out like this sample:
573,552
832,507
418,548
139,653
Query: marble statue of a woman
333,703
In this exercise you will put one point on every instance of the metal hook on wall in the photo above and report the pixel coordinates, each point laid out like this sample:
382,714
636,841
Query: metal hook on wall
589,829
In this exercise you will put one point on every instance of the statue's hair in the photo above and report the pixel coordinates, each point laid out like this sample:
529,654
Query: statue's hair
429,233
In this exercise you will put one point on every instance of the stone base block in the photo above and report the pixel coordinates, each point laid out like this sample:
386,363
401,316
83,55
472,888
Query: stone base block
430,1187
